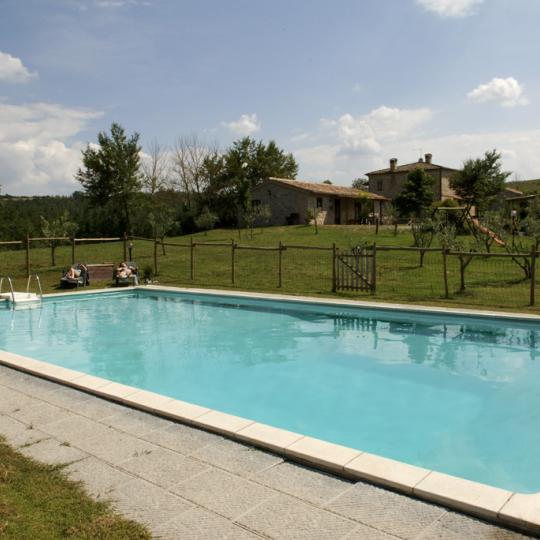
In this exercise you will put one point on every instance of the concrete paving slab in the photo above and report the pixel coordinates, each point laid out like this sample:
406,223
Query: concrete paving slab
100,479
40,414
200,524
116,447
289,518
454,526
163,467
52,451
307,484
135,422
235,457
225,493
148,504
17,434
393,513
180,438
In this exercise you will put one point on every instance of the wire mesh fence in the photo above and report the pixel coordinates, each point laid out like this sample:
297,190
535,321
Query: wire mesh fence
401,274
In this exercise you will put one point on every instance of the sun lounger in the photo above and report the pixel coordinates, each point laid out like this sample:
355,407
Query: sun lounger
80,280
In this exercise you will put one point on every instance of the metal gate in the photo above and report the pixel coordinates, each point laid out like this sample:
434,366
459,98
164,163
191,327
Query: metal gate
355,270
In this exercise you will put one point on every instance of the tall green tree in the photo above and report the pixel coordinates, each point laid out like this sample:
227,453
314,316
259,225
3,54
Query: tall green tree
244,165
111,174
416,196
480,180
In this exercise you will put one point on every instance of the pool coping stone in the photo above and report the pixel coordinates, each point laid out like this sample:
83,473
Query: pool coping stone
515,509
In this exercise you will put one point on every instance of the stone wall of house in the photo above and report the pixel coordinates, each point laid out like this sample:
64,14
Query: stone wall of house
283,201
392,184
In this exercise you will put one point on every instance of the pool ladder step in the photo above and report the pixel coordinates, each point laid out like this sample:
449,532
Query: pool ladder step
15,298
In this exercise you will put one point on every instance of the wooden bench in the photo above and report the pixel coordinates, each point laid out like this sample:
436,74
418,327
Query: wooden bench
100,272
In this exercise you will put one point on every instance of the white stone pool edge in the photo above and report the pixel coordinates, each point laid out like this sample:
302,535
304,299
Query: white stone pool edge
501,506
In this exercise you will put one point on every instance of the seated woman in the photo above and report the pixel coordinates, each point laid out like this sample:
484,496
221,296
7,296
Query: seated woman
75,271
123,271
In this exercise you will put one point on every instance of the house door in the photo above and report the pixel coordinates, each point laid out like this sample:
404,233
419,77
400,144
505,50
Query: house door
337,211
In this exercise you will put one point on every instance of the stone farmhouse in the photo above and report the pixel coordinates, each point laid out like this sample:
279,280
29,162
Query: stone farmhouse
289,201
389,182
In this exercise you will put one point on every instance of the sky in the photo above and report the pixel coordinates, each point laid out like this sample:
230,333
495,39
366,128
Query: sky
343,85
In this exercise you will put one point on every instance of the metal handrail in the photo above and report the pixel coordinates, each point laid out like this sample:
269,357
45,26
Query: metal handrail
10,287
38,281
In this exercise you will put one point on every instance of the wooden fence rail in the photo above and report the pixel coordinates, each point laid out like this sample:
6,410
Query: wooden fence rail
347,272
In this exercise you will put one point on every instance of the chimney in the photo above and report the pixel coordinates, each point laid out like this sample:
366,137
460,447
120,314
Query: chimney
428,157
393,164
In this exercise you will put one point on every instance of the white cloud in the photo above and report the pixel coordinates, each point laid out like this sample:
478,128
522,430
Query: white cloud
13,70
508,92
367,133
450,8
348,147
37,154
519,151
245,125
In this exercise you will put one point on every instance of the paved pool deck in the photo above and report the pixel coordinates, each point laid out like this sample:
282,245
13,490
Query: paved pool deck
185,483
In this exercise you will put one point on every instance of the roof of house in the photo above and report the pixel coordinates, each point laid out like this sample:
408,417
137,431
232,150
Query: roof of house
328,189
512,191
408,167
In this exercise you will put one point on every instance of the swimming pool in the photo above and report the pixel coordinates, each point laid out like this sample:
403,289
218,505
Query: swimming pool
456,394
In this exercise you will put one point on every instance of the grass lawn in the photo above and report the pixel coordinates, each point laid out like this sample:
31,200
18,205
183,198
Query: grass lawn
38,501
491,283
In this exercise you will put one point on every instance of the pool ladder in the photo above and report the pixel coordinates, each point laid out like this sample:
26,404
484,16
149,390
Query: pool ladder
26,297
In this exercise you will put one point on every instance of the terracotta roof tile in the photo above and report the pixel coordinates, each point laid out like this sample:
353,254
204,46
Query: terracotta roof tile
411,167
328,189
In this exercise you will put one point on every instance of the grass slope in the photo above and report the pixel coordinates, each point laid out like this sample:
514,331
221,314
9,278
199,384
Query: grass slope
526,186
493,283
38,501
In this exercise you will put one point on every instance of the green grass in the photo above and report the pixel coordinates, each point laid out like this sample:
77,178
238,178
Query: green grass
38,501
491,283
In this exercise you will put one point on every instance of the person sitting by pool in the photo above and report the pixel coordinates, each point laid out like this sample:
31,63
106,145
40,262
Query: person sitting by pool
75,271
123,271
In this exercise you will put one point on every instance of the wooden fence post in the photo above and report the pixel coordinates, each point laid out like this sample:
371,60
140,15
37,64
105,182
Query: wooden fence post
155,257
374,269
445,271
191,258
73,250
534,254
233,248
280,253
125,246
27,255
334,255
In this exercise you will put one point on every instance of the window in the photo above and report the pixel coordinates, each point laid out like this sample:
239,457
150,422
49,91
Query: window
379,185
319,203
256,203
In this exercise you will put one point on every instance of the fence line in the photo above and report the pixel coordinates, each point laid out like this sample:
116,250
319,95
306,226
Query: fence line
450,274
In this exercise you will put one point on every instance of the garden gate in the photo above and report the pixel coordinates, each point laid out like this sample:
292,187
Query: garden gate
355,270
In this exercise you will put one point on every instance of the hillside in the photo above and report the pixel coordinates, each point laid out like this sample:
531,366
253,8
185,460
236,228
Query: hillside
527,186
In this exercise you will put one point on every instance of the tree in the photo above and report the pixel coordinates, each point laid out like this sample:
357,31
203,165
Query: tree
111,172
329,182
245,164
191,158
161,220
206,220
155,169
312,215
480,180
416,196
360,183
60,227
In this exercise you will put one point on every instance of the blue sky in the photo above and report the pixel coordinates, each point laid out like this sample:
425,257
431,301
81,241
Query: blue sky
344,85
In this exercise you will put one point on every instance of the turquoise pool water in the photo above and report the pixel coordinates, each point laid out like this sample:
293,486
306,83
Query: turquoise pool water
456,394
